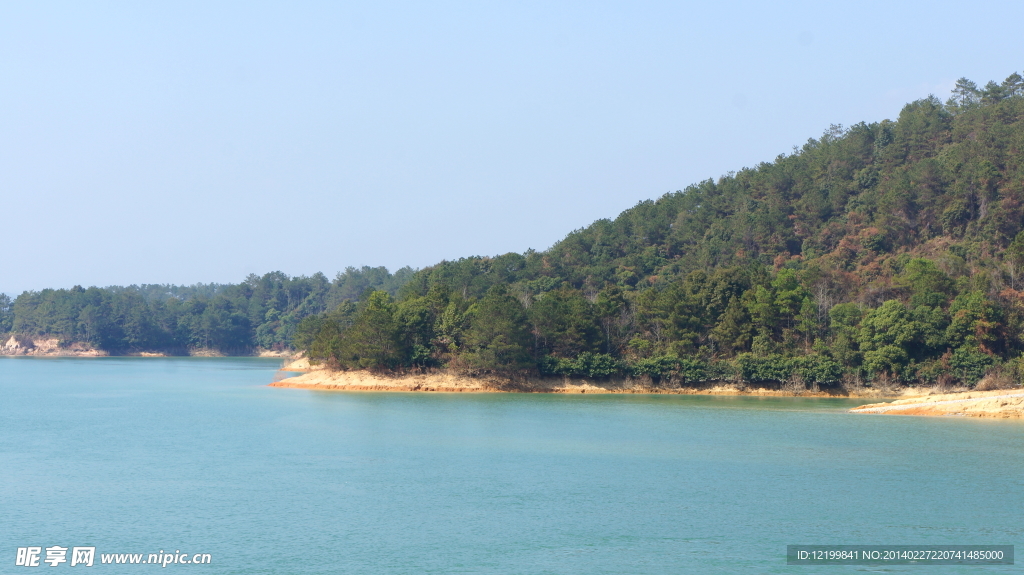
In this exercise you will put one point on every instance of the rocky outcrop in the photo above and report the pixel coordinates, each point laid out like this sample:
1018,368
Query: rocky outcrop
14,346
23,345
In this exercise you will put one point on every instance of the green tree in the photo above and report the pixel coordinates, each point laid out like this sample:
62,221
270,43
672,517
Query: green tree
564,323
373,341
973,321
733,331
6,313
1013,85
886,335
965,95
926,284
498,339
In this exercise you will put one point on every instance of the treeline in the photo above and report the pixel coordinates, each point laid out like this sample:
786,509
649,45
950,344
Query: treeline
890,251
259,313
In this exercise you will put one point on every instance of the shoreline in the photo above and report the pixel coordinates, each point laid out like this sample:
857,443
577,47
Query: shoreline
999,404
446,382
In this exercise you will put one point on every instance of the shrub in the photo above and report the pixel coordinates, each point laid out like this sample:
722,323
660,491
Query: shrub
1014,369
657,368
969,364
818,369
776,368
586,364
763,369
684,371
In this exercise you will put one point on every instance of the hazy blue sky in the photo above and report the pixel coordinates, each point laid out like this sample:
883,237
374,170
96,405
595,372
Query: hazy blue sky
183,142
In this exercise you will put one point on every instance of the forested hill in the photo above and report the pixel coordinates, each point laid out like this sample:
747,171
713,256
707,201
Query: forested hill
889,250
259,313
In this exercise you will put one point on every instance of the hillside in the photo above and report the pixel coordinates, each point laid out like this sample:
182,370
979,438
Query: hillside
885,252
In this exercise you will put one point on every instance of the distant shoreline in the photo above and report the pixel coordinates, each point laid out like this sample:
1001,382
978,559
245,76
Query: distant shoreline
52,347
140,354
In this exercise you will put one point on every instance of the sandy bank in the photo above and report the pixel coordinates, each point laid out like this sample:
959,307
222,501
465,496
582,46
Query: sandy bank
296,363
453,383
275,353
1003,403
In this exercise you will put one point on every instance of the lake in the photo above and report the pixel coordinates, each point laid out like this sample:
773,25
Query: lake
198,455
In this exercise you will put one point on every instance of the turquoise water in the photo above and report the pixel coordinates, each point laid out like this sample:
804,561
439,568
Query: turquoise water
139,455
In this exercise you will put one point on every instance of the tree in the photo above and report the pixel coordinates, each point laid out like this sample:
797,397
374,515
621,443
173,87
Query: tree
973,322
306,332
1013,85
965,95
764,316
992,93
612,311
373,342
807,322
564,323
6,314
886,335
733,332
498,339
927,284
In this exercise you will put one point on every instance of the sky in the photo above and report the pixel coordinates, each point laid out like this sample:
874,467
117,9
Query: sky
183,142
